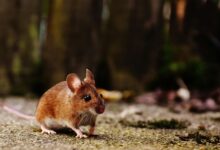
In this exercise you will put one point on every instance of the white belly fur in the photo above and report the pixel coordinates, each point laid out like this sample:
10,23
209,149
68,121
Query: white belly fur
55,124
86,118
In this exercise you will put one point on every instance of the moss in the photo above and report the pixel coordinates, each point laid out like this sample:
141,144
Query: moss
157,124
136,124
168,124
16,65
201,138
4,82
216,119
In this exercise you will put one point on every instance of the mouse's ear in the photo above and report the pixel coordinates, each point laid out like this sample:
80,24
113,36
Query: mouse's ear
73,82
89,77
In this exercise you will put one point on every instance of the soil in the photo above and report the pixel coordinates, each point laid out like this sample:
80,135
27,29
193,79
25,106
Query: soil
122,126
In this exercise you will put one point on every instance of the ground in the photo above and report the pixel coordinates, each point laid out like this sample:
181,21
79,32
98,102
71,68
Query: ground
122,126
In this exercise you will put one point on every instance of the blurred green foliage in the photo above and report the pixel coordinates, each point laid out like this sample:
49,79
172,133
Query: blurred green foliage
127,45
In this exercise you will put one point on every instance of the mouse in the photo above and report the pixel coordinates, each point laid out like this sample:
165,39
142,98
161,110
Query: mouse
71,103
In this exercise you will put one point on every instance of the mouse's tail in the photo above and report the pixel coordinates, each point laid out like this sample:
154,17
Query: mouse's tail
17,113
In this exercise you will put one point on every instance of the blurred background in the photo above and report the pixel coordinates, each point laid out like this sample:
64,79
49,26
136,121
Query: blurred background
136,45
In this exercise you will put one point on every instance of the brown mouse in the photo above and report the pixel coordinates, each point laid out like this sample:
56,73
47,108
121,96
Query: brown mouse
71,103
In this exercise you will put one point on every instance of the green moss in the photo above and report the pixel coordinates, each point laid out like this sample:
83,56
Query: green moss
4,82
157,124
33,33
201,138
136,124
16,65
216,119
168,124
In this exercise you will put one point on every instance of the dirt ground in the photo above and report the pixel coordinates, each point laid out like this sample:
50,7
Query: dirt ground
122,126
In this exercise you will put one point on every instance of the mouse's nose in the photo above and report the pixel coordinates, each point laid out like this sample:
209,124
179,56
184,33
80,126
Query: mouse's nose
101,107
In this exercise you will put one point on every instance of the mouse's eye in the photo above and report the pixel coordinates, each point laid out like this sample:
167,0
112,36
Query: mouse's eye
87,98
101,95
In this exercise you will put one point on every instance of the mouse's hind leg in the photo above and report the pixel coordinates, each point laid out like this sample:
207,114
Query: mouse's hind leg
46,130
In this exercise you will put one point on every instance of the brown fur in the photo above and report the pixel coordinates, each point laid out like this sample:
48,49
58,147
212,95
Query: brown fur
67,104
64,101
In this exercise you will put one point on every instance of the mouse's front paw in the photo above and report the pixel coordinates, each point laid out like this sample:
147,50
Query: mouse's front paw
81,136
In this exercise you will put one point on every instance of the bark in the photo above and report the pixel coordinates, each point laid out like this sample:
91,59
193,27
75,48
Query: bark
19,42
73,42
134,42
202,28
